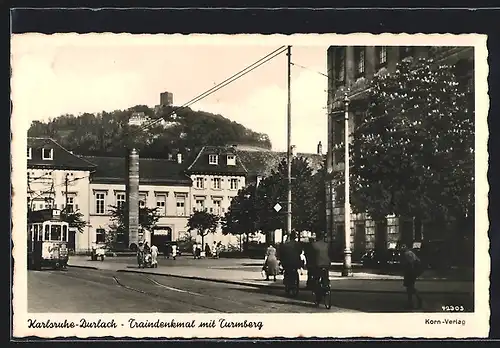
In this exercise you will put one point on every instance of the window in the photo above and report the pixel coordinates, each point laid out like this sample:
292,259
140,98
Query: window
213,159
216,204
181,205
216,183
47,233
121,198
161,204
339,195
142,200
340,65
100,203
382,55
200,183
65,233
338,134
29,153
200,204
70,204
360,60
100,235
47,154
55,232
231,160
233,184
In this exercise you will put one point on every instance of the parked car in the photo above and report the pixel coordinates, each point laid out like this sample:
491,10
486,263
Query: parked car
381,258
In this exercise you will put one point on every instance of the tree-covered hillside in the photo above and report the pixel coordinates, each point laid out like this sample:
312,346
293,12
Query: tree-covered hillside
108,133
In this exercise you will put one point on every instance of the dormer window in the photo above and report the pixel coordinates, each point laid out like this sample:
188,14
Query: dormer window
213,159
47,154
29,153
231,160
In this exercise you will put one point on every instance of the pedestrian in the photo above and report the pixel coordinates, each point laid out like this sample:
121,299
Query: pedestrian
290,258
208,251
271,264
412,269
195,246
154,256
303,262
214,250
198,251
140,254
174,251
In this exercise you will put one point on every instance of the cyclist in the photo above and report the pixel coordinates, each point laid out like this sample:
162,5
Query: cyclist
289,254
320,262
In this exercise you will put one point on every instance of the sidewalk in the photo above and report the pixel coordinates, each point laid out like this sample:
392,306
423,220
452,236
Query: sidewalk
227,272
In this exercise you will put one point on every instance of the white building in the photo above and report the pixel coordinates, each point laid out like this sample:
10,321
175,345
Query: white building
57,178
162,185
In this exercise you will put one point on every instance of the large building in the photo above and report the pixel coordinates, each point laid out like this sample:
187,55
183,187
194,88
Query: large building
94,185
350,69
57,179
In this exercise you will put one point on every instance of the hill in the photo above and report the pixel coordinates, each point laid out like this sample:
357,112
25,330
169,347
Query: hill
109,133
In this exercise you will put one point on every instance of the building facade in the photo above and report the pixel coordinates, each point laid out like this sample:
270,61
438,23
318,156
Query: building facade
350,69
59,179
93,186
162,185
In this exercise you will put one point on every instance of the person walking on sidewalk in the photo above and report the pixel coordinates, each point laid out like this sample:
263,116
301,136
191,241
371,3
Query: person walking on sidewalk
154,256
174,251
271,266
412,269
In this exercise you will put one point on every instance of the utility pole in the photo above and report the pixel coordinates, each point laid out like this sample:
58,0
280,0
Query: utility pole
289,148
346,270
66,193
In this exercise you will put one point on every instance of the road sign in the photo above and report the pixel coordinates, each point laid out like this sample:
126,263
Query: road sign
277,207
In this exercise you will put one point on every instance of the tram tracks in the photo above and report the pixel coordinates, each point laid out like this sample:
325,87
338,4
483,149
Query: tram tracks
163,296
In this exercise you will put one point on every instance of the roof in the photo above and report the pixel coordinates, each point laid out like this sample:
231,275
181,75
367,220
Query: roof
62,158
249,160
261,163
111,170
201,164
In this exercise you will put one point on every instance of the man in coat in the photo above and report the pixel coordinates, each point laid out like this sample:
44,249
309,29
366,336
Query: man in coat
289,255
320,258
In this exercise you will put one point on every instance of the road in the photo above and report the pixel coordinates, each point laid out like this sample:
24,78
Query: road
79,290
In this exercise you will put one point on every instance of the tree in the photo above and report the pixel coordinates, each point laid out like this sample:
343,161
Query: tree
109,133
308,198
118,232
203,222
413,155
242,216
74,219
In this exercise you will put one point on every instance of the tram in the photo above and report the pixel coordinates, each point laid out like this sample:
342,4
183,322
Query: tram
47,239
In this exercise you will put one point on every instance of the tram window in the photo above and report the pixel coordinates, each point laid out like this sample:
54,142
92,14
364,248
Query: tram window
55,232
47,233
39,231
65,233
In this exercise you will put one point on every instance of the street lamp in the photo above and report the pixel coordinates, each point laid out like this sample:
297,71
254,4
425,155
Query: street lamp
346,270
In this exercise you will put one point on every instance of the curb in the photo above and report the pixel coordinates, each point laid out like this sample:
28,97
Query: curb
85,267
277,287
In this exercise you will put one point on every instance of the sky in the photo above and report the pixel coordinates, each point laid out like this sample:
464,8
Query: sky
71,73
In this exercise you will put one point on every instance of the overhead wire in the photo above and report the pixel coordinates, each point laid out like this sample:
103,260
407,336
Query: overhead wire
219,86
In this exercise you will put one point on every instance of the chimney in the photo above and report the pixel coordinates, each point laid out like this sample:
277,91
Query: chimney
179,157
132,219
320,148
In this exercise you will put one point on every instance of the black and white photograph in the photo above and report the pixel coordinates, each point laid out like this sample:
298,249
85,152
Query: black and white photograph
220,186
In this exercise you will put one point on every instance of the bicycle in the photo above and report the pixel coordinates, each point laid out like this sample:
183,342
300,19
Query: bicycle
291,285
322,290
